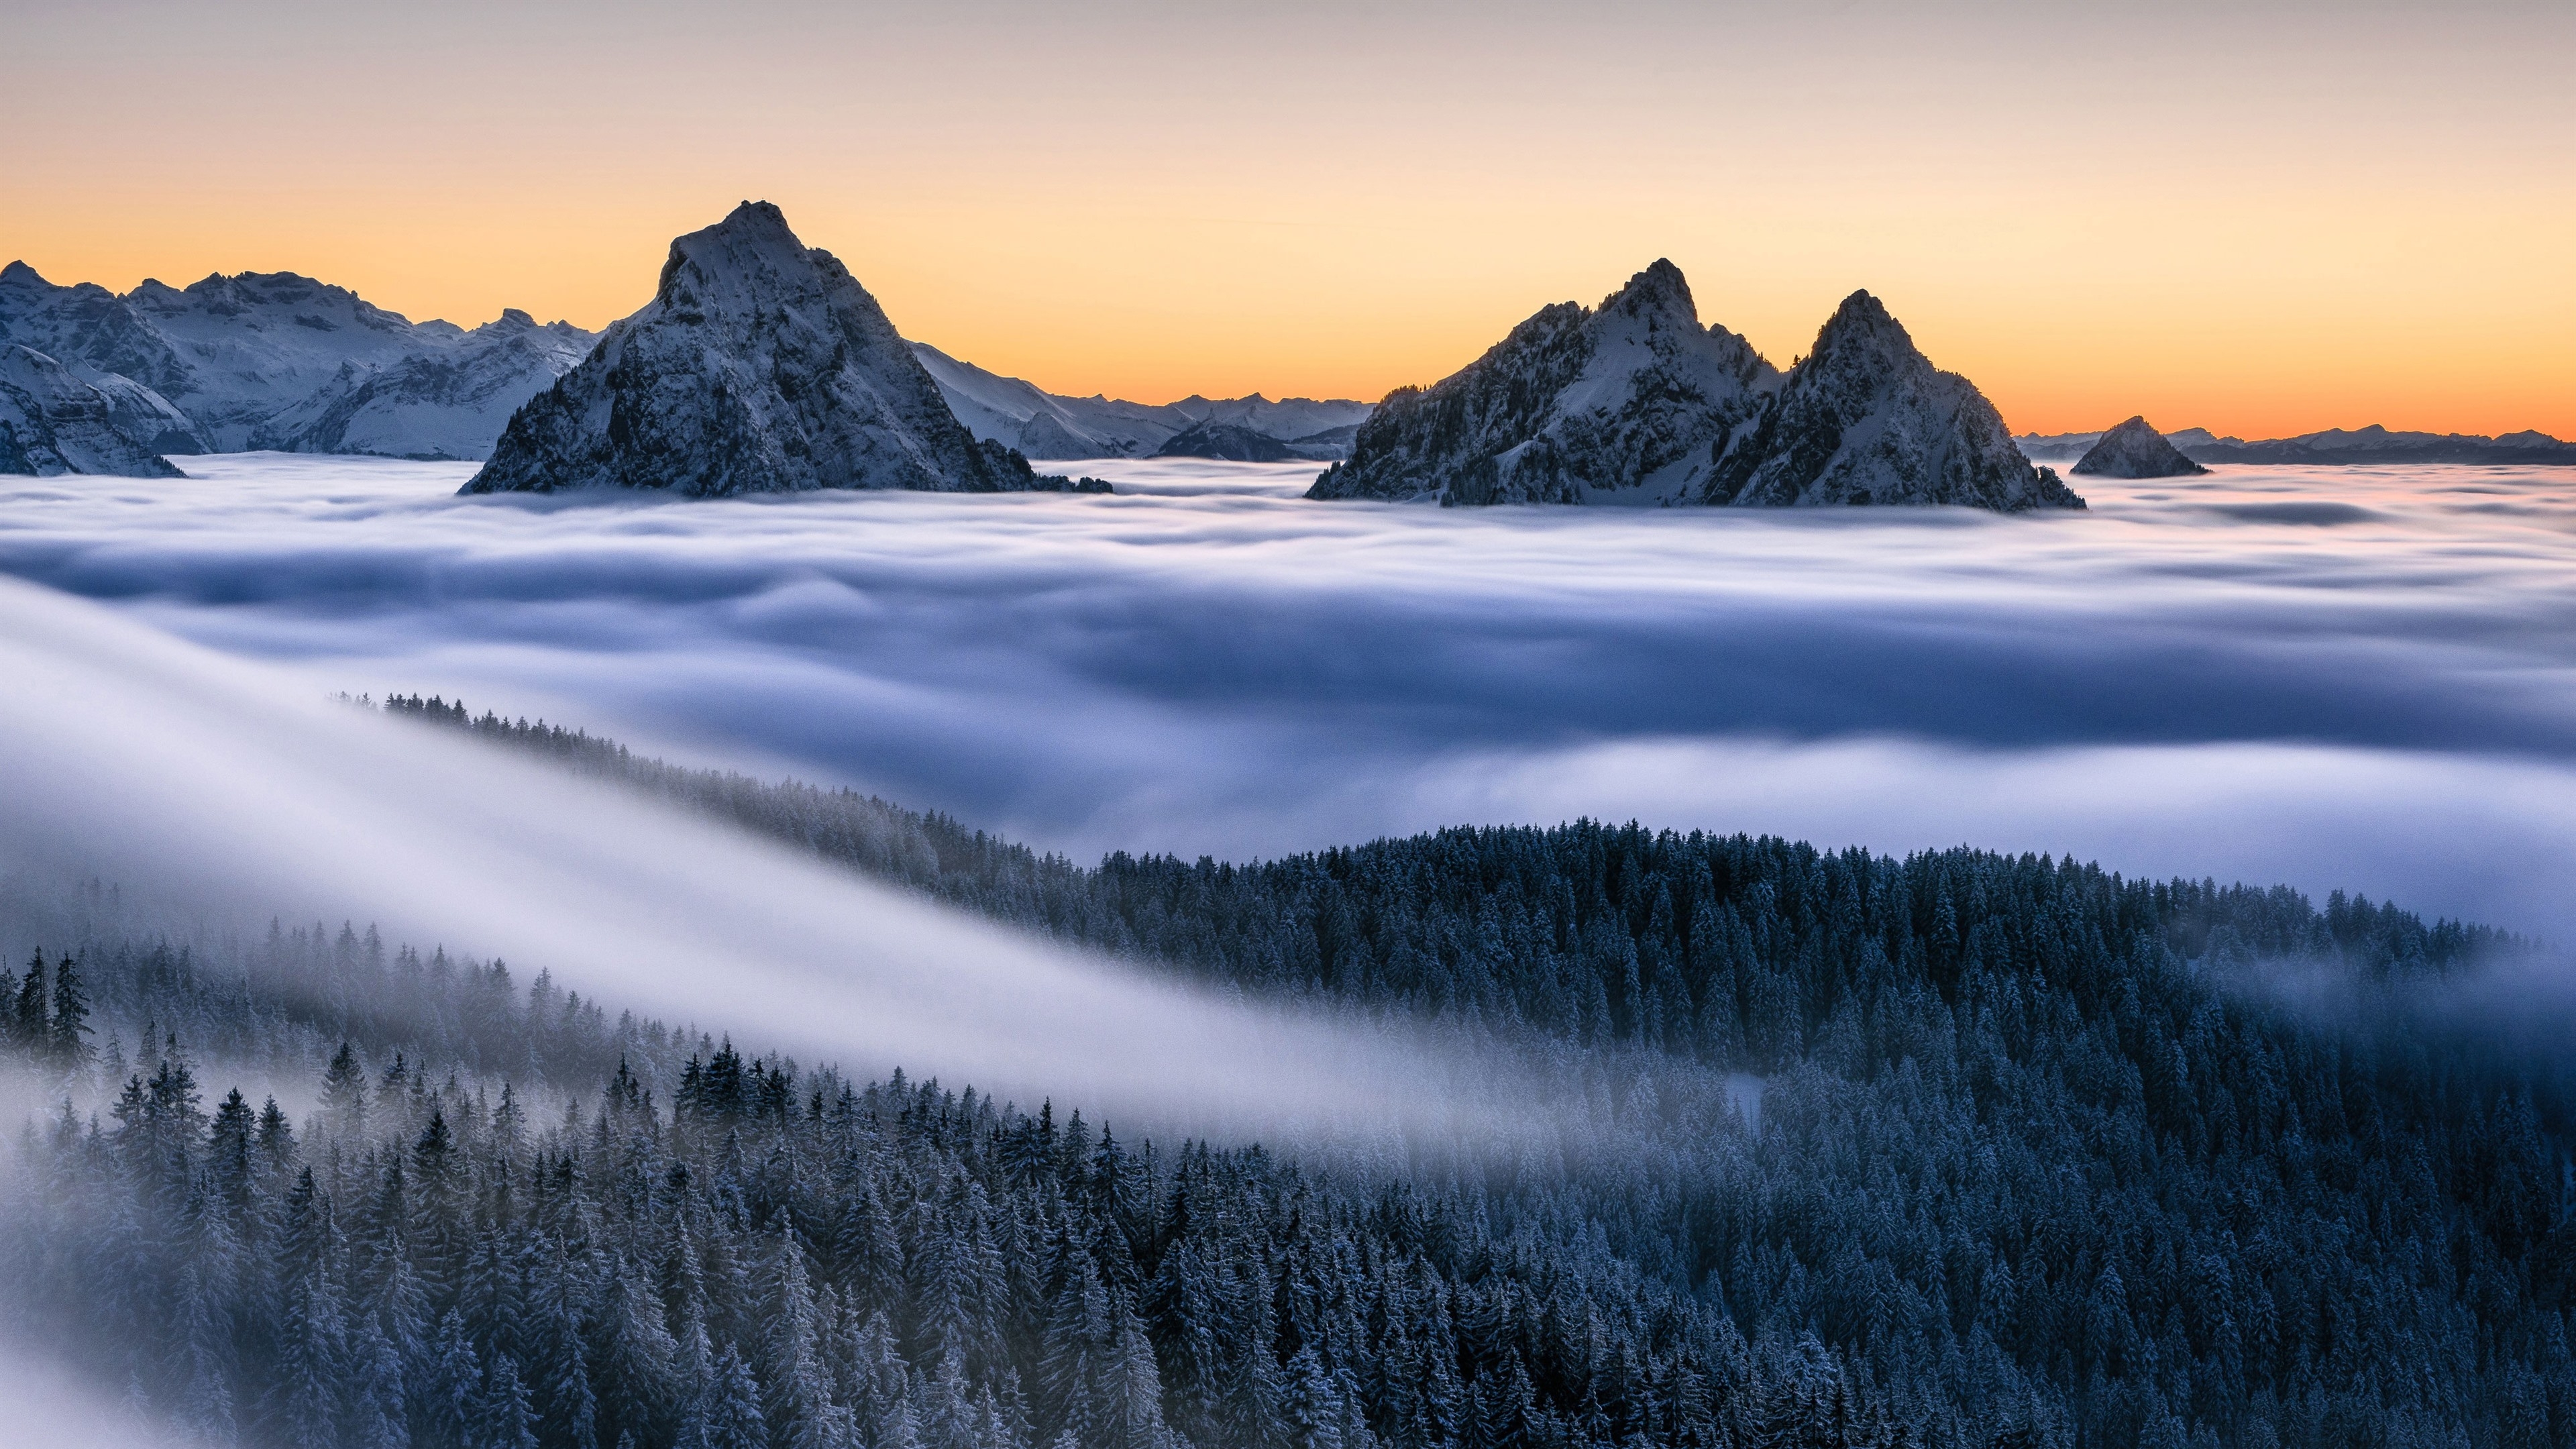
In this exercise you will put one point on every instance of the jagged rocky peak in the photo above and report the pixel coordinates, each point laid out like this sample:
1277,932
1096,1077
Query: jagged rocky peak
1628,402
52,422
1635,402
2136,450
1867,419
760,366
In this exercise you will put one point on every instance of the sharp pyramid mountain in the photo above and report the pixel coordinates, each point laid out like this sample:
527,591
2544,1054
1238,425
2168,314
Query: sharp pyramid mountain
2136,450
1866,418
1629,402
277,360
51,422
760,366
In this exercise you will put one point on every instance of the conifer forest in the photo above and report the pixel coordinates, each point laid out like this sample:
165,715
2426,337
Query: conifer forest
1957,1149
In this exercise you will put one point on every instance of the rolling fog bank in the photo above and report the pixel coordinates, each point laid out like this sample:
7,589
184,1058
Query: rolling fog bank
2356,678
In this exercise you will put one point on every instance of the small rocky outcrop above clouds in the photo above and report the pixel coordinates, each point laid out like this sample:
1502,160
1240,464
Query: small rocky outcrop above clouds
51,423
2136,450
1629,402
1043,424
1867,419
277,360
760,366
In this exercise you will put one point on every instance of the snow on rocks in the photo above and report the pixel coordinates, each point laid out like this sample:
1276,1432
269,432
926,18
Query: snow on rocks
1636,403
277,360
51,423
760,366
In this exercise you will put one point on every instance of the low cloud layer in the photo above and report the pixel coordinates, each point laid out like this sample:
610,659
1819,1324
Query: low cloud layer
218,788
2363,678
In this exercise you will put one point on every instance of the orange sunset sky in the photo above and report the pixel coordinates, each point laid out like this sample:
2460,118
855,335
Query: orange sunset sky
2259,219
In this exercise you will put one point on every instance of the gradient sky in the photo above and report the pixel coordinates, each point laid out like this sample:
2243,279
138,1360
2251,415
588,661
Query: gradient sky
2260,219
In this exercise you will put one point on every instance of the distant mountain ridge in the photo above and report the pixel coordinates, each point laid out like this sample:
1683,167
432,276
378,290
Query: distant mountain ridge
1634,403
2349,447
277,360
760,366
1046,425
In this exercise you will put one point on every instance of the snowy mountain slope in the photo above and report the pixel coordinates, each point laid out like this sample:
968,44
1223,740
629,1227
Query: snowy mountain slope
1042,424
1627,403
759,366
277,360
1867,419
2135,449
51,422
450,403
147,417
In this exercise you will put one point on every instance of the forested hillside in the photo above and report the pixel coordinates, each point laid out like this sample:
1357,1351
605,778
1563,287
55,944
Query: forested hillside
2036,1161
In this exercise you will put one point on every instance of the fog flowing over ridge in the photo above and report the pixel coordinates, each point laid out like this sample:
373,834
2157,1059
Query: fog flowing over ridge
2360,678
216,784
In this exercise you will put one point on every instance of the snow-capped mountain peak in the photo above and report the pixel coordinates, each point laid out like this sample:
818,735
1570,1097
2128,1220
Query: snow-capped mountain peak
761,365
1628,402
1867,418
1660,291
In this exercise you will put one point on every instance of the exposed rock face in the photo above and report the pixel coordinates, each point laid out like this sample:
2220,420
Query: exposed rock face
760,366
52,423
1051,425
275,360
2135,450
1626,403
1636,403
1867,419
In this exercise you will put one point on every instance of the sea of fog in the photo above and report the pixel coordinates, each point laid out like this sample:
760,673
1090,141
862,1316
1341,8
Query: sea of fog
2362,678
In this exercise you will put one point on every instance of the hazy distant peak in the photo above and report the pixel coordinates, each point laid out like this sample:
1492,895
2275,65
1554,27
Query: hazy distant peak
2135,449
20,272
1042,424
